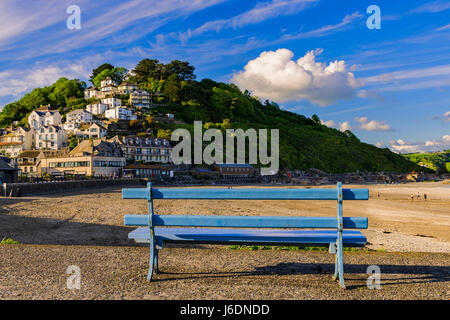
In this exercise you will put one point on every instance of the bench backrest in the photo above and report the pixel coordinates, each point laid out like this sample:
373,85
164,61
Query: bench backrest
337,194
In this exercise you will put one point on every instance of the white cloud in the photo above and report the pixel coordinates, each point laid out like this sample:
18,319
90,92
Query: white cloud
372,125
275,76
433,6
329,123
401,146
262,11
343,126
447,116
325,30
15,83
446,27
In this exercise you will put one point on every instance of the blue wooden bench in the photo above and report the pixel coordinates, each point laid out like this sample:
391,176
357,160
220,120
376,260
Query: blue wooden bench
247,230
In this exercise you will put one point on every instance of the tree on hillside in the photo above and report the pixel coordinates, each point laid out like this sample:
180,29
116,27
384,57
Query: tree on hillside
118,75
316,119
182,69
98,70
172,88
146,69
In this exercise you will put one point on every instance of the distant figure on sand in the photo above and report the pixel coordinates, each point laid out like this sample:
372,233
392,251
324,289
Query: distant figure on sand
378,194
412,196
418,196
425,197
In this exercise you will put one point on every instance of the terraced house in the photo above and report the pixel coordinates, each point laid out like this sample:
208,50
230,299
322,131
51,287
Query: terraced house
145,149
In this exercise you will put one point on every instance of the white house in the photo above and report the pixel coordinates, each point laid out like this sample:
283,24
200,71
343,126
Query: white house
90,130
140,98
97,108
126,87
112,102
79,116
108,86
14,143
44,117
120,113
51,137
91,92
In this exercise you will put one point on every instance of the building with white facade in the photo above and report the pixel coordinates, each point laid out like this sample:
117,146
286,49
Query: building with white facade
91,92
44,117
90,131
127,87
108,87
51,137
97,108
112,102
140,98
120,114
79,116
14,143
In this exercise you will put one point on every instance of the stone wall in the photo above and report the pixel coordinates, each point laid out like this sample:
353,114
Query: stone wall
29,189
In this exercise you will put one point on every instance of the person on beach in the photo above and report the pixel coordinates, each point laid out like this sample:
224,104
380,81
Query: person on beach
412,196
378,194
418,196
425,197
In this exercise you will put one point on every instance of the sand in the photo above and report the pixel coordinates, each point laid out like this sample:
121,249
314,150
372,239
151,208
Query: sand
396,223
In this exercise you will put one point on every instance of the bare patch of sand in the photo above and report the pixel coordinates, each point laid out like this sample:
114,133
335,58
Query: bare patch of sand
396,223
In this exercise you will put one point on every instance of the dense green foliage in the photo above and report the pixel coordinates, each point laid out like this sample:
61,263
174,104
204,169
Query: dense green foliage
438,161
67,94
304,142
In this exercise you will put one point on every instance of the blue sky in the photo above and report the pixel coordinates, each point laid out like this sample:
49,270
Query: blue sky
390,86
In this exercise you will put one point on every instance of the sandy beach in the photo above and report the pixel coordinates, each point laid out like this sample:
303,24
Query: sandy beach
52,229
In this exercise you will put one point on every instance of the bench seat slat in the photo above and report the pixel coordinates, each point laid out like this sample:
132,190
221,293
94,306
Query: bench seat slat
248,236
245,221
245,194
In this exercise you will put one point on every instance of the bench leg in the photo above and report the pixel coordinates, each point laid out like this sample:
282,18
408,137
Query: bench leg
340,260
152,258
155,263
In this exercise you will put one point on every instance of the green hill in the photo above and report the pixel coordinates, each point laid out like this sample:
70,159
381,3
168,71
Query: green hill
438,161
304,142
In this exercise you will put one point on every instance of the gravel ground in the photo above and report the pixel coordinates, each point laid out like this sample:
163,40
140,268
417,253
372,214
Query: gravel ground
39,272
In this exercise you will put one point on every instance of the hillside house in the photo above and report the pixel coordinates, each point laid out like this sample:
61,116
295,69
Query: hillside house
51,137
140,98
12,144
44,117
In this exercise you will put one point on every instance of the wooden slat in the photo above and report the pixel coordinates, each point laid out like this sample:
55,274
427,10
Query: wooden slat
247,236
245,221
245,193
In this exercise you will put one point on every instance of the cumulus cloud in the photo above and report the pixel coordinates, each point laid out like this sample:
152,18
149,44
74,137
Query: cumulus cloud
275,76
343,126
401,146
447,116
15,83
372,125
